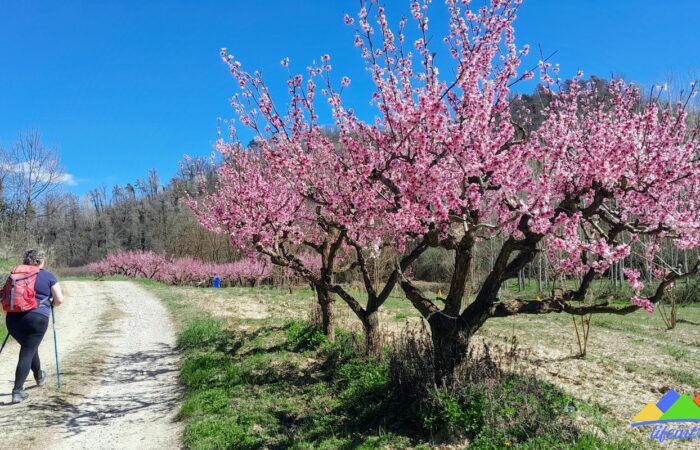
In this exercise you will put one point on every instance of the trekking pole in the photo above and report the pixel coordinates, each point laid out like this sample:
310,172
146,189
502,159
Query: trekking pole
5,342
55,346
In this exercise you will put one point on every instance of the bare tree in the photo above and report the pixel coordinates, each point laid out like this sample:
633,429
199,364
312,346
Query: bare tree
33,170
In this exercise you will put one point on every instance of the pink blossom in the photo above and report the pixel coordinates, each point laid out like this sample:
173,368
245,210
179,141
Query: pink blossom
633,279
643,303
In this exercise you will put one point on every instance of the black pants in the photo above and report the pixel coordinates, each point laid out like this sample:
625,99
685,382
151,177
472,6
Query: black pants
28,328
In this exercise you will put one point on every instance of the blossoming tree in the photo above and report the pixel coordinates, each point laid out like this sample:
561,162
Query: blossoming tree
444,163
294,193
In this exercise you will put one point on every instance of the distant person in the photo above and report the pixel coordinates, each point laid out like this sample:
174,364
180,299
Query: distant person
29,326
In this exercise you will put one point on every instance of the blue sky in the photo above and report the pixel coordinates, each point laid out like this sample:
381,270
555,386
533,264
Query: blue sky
119,87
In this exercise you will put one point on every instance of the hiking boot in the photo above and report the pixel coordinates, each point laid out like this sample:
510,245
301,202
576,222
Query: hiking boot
19,396
41,379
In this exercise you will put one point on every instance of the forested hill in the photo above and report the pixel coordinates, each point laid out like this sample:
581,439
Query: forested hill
144,215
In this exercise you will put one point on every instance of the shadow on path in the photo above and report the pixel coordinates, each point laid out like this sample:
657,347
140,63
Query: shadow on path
142,371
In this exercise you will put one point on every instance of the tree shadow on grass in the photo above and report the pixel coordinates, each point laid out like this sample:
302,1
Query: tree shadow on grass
299,397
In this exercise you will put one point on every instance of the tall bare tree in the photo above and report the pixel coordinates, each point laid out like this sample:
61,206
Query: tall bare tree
33,170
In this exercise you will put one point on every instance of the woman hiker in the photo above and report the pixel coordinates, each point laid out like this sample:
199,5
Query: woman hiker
28,327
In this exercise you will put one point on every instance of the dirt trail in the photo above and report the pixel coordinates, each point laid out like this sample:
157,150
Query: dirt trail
119,375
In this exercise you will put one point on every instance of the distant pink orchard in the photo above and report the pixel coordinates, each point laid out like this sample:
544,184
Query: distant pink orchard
182,271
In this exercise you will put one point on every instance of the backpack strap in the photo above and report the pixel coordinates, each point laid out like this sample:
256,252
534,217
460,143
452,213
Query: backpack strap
12,293
27,277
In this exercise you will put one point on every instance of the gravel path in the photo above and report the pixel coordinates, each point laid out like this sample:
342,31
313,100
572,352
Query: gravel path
119,375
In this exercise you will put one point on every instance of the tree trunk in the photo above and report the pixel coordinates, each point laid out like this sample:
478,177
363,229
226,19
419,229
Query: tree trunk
450,345
521,280
458,281
612,276
621,272
373,338
325,303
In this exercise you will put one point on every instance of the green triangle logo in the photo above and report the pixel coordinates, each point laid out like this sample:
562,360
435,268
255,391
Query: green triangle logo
683,409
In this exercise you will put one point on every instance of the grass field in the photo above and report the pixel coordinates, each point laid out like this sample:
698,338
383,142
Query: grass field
6,266
273,391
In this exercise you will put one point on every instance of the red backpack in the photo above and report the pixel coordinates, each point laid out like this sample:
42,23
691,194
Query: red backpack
18,294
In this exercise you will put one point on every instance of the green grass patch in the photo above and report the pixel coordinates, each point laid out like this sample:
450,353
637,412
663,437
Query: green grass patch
303,335
685,377
276,384
631,367
288,387
6,266
676,353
